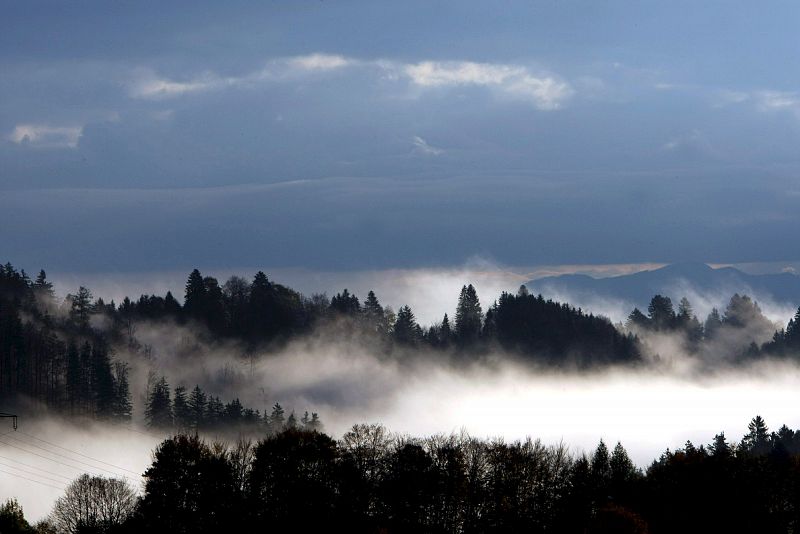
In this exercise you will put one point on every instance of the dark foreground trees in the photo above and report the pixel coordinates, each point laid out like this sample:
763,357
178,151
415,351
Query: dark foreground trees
93,504
371,481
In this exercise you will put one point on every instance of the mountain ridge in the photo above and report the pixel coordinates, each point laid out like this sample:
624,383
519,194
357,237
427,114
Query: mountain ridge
675,281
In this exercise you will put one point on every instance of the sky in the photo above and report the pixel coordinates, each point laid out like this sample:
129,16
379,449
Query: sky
346,136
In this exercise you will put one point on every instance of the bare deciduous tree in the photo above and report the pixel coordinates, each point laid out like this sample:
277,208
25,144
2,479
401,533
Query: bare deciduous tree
93,502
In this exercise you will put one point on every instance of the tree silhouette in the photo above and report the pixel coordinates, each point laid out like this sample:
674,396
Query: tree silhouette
406,331
93,504
159,406
469,316
189,489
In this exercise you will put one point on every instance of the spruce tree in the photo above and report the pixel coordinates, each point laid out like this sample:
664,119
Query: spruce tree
406,330
469,316
74,377
276,419
197,405
102,382
793,332
180,409
195,296
158,412
373,314
445,332
122,396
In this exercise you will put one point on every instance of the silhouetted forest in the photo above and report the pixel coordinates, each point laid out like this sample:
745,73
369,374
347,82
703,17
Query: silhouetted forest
372,481
735,331
62,352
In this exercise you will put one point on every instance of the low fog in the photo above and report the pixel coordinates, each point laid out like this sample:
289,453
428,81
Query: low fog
673,397
647,409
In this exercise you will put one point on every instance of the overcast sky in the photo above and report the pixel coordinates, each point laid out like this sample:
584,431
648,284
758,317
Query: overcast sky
368,135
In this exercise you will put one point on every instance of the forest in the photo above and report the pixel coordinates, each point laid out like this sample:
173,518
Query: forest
269,470
72,354
371,481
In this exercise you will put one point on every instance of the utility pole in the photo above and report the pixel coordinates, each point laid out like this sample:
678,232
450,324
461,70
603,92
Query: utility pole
13,418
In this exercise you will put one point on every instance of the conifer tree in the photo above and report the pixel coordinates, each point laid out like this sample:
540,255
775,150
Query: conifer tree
197,405
373,314
158,412
445,332
195,296
122,396
102,382
469,316
406,330
180,409
757,439
276,419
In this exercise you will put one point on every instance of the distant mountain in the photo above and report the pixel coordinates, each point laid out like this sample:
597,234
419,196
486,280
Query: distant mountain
675,281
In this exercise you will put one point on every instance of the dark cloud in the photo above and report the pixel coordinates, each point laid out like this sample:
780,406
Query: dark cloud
402,137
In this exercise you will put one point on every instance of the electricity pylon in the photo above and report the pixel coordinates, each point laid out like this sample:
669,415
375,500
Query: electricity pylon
13,418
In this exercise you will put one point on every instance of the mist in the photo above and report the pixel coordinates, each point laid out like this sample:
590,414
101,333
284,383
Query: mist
672,397
647,409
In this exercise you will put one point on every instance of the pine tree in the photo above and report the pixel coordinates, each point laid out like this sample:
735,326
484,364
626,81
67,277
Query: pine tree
81,307
345,303
85,384
44,289
637,319
180,409
315,423
214,307
601,468
661,313
261,308
469,316
445,333
405,327
373,314
122,396
195,296
159,406
102,382
719,447
757,439
172,307
276,419
234,411
197,405
215,411
74,377
713,324
793,332
622,470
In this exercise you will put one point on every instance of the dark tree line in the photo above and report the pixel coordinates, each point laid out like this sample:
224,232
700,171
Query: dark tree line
740,324
62,352
52,354
195,411
265,312
301,480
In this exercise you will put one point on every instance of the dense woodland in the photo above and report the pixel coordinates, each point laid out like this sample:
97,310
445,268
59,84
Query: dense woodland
372,481
735,331
62,353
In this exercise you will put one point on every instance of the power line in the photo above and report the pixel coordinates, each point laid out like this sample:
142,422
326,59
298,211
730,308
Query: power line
34,467
97,468
31,480
79,454
32,473
79,469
